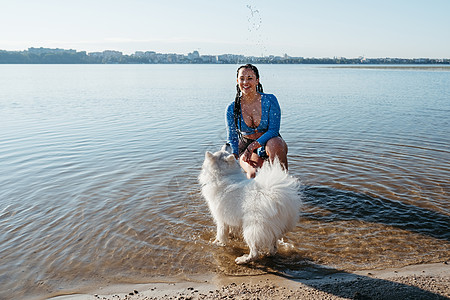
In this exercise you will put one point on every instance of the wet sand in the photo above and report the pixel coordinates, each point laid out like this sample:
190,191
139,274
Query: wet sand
427,281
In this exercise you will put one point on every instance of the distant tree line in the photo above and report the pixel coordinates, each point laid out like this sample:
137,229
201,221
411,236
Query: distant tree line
61,56
12,57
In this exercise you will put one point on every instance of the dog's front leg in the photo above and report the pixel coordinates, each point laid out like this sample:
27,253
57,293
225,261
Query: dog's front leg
246,258
273,248
222,235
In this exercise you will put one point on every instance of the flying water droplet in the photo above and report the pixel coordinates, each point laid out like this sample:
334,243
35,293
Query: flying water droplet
254,19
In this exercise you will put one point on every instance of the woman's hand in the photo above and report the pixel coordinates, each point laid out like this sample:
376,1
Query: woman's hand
249,151
246,155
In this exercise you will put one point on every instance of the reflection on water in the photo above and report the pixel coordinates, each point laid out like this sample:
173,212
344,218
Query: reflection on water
100,164
338,205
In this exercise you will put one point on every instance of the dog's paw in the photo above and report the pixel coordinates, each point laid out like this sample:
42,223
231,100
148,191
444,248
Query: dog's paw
218,243
242,259
285,245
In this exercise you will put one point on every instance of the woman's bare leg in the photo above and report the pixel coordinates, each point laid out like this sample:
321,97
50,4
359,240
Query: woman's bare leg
251,166
277,147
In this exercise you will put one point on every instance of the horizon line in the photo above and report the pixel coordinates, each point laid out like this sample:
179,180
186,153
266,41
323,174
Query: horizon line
193,51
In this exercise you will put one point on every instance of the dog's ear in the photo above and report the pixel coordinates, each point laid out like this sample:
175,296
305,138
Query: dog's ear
230,158
208,155
226,147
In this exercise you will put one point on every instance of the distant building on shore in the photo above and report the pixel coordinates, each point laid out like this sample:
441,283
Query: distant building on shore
50,51
62,56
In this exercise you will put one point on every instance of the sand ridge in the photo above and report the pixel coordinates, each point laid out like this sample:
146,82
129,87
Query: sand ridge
427,281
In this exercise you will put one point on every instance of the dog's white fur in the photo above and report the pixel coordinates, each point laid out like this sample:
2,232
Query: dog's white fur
265,208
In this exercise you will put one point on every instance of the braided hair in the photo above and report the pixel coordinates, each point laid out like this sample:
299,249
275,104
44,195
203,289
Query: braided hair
237,101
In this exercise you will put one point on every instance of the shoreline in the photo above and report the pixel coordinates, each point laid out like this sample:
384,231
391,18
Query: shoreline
422,281
431,67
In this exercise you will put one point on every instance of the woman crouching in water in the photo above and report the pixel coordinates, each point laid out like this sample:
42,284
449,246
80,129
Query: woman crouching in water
253,123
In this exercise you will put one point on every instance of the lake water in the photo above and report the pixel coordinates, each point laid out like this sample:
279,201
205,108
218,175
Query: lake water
99,167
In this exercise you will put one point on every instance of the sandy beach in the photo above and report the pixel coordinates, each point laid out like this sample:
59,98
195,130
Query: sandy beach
426,281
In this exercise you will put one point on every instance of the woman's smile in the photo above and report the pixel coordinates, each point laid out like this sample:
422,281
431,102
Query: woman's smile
247,81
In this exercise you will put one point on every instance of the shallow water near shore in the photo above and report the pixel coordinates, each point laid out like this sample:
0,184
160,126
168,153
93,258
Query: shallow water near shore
100,164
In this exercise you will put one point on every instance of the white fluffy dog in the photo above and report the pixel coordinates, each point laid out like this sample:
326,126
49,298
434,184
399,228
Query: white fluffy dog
265,207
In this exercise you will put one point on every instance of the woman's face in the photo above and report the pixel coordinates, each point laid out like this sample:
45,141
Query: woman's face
247,81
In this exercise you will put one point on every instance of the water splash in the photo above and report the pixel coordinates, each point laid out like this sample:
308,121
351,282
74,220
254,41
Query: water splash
255,39
254,20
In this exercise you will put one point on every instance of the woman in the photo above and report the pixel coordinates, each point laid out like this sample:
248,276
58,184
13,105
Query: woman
253,123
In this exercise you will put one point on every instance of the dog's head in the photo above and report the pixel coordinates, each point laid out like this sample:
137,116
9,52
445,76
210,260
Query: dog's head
220,161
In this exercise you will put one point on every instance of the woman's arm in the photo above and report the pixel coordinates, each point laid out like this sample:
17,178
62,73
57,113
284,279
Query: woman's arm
274,120
232,136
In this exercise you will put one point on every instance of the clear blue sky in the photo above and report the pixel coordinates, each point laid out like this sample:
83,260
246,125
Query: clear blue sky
320,28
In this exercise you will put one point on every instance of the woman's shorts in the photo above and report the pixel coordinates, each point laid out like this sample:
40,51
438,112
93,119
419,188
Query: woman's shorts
245,142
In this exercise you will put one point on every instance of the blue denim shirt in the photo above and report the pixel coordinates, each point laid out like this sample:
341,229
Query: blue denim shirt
270,122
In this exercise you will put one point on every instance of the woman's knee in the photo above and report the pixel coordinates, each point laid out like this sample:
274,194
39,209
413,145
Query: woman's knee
276,146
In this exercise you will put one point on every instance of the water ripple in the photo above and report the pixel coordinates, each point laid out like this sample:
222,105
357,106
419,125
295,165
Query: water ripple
100,183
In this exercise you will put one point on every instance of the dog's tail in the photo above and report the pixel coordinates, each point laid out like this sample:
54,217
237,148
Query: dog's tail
275,204
273,178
